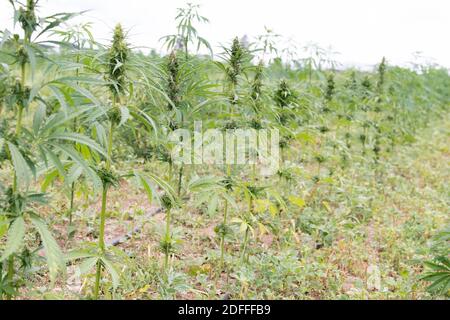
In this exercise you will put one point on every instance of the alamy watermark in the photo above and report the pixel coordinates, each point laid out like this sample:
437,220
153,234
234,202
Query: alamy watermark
260,148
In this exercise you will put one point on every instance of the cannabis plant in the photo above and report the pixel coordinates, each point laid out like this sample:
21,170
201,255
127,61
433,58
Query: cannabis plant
235,65
187,32
381,77
331,88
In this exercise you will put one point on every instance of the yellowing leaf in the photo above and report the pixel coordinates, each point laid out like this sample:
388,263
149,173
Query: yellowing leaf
261,205
262,229
327,206
273,209
328,180
299,202
3,226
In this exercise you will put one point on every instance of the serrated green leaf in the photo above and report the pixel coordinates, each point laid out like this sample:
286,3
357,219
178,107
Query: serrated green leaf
97,183
39,116
54,255
87,265
23,171
16,234
79,254
78,138
124,115
111,269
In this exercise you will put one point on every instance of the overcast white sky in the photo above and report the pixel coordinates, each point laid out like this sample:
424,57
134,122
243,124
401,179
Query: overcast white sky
361,30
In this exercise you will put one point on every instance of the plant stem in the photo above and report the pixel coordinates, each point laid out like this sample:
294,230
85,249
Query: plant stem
101,241
19,121
225,220
186,51
20,105
10,275
180,179
101,238
110,145
244,246
97,280
222,239
75,128
11,270
167,240
170,173
72,196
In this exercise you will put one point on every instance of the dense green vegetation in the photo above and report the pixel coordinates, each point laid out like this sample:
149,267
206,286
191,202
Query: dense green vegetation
357,210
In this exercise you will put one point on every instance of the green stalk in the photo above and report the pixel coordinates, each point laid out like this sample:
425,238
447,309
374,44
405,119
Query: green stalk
222,239
75,127
180,179
110,145
244,246
181,170
19,121
20,113
14,183
11,270
225,219
310,72
167,239
97,280
101,241
101,237
72,190
72,197
170,171
254,165
186,51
